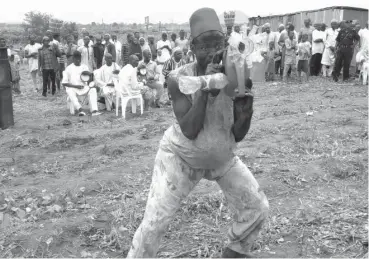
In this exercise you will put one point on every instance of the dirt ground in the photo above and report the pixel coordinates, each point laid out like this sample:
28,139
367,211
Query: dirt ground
77,187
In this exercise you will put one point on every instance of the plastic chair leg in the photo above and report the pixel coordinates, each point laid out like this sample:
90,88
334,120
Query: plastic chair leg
133,103
142,105
124,107
117,105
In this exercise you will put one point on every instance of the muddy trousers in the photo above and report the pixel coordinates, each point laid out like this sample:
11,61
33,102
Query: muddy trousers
173,180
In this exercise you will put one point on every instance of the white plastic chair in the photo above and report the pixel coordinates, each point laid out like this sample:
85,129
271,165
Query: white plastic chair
125,95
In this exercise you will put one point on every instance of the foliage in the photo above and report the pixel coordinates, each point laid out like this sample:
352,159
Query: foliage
36,22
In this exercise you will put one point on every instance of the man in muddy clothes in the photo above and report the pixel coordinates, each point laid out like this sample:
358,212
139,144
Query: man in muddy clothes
201,144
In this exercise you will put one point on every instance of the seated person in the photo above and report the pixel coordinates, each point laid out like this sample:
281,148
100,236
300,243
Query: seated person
75,87
152,76
128,81
104,79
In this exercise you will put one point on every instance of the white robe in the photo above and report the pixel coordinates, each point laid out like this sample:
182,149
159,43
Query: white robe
33,62
329,41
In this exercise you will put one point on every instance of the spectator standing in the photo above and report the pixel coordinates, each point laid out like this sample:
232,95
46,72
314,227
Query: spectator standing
304,54
165,46
290,55
135,48
181,42
15,76
329,50
173,40
118,49
344,50
364,36
87,55
99,49
269,56
144,46
109,47
308,30
278,60
81,42
126,49
317,50
48,64
353,65
31,52
152,45
71,48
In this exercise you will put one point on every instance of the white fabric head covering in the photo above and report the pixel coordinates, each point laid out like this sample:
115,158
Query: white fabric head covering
267,25
334,20
175,50
281,25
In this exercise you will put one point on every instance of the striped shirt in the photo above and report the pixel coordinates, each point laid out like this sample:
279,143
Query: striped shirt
47,55
125,53
171,65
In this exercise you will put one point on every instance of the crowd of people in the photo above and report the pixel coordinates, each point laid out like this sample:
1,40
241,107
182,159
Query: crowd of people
138,65
316,50
141,65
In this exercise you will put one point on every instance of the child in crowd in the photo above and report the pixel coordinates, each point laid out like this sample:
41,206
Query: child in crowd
269,56
304,55
14,68
290,56
160,60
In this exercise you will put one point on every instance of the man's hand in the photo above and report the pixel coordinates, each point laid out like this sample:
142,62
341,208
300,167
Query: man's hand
243,106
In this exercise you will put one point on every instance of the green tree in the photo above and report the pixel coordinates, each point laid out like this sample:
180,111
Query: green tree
36,22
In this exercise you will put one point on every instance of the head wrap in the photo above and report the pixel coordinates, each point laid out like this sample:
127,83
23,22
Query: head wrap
107,34
267,25
108,55
175,50
45,38
334,20
280,26
204,20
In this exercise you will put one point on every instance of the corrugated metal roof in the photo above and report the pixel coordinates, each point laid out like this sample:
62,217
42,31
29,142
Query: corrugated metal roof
315,10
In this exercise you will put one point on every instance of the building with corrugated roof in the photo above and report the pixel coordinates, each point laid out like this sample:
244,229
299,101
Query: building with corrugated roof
323,15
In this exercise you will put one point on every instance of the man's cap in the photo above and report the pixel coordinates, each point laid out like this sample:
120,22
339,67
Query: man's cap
108,55
204,20
77,54
45,38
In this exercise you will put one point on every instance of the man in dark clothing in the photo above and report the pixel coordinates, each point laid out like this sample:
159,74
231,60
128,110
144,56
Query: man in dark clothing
126,49
99,52
152,46
135,48
110,47
345,44
48,64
